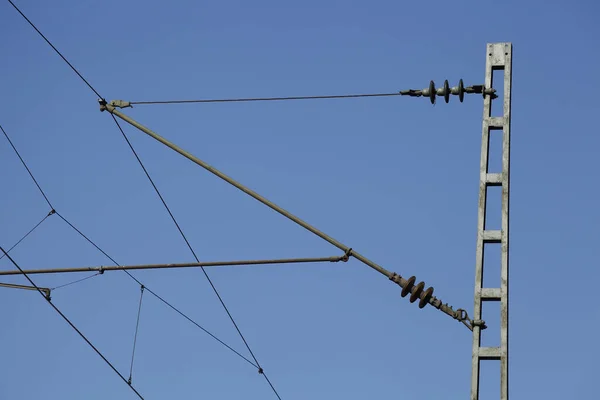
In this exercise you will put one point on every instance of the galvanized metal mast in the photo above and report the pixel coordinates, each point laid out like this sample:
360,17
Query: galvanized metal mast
498,58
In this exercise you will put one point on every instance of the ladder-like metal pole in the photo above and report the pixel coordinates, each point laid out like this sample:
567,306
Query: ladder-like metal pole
498,58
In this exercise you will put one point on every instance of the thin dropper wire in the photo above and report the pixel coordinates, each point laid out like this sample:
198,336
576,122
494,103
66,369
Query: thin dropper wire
137,325
27,234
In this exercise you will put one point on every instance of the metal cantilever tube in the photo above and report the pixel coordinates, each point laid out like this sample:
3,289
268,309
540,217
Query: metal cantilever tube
415,290
181,265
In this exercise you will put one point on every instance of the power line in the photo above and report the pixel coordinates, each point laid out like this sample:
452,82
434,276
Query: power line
71,324
56,50
28,233
87,238
260,369
251,99
113,260
200,327
25,165
168,304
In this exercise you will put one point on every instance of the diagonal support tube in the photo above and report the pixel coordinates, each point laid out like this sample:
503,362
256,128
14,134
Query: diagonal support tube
415,290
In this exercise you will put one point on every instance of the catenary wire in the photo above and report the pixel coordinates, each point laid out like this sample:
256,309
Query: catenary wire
26,167
168,304
113,260
260,369
137,325
72,325
252,99
208,278
27,234
55,49
200,327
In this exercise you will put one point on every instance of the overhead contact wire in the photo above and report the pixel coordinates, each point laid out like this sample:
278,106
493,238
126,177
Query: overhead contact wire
200,327
104,253
154,293
125,136
72,325
260,369
26,167
55,49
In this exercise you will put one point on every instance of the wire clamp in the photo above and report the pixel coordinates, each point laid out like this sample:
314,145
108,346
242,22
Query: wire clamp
260,371
120,104
100,270
346,255
53,211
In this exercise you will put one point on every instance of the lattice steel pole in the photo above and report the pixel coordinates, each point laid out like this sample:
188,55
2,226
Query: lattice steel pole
498,57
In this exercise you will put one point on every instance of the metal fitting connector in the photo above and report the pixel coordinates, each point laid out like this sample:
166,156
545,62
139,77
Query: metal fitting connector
120,104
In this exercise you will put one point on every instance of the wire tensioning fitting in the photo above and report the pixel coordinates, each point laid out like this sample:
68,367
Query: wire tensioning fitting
426,296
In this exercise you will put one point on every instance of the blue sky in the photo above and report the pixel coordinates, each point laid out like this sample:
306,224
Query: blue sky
394,178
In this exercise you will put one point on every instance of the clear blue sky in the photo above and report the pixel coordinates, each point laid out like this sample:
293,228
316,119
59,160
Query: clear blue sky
394,178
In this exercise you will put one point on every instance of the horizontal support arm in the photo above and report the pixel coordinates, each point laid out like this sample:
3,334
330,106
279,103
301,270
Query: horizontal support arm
183,265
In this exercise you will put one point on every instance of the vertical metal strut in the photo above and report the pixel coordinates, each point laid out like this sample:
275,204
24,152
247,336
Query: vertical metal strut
498,58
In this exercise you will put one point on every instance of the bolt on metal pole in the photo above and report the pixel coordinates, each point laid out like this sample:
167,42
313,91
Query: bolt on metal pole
408,285
498,58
